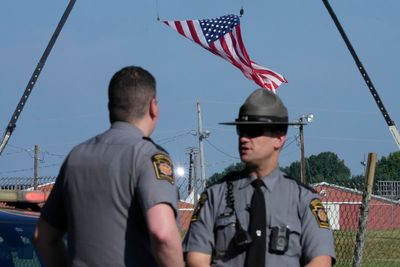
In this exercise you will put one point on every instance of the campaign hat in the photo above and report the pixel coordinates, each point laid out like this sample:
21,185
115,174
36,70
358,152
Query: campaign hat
262,107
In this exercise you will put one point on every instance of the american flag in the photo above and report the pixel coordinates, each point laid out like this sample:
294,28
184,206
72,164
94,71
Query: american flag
222,37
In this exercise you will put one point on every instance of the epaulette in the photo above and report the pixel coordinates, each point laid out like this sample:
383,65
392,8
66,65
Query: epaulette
156,145
300,183
230,176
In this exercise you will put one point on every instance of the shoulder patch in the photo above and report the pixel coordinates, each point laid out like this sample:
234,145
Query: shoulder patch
163,167
319,212
196,214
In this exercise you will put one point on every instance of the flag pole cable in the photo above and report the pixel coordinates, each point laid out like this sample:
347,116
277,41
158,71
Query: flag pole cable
21,104
157,11
392,126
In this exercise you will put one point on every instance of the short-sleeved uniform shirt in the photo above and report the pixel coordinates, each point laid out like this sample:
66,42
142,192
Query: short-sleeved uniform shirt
102,193
289,205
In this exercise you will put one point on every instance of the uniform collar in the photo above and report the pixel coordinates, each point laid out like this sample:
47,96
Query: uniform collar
121,125
269,180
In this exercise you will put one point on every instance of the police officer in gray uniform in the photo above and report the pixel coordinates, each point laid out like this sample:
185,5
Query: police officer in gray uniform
115,195
259,216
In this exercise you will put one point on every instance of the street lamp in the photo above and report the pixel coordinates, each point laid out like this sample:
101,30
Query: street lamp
303,120
180,171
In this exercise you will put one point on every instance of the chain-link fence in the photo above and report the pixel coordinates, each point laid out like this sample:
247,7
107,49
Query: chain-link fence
381,241
342,202
25,183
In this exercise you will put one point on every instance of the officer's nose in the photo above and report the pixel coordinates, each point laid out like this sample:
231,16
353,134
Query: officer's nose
244,138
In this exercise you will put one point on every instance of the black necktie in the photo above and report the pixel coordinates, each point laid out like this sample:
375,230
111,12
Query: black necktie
255,256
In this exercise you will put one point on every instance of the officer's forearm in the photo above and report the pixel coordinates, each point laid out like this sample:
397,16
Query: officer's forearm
164,235
197,259
320,261
168,252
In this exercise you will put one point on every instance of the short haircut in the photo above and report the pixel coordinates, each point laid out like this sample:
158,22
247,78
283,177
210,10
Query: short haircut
129,94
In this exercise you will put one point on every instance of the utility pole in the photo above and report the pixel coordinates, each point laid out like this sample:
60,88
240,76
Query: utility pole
303,120
195,186
302,159
192,166
35,167
190,173
190,151
202,135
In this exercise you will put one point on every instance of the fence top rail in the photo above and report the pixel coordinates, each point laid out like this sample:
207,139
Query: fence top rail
354,191
25,183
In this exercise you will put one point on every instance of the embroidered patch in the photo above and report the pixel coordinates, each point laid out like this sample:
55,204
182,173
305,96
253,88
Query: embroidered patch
163,167
319,212
200,204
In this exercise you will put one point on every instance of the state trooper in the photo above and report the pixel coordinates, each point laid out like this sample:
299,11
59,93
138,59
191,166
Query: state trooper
114,190
259,217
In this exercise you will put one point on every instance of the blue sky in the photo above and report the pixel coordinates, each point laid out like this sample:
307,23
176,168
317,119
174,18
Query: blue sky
295,38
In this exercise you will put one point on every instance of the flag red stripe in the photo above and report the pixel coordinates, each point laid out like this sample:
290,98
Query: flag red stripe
193,32
179,28
244,61
229,54
271,73
238,36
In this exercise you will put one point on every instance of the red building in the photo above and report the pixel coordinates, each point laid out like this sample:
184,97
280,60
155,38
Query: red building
343,208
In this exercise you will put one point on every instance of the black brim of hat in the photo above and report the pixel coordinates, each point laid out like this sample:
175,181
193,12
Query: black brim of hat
260,123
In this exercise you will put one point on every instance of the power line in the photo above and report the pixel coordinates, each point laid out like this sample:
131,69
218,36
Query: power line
29,151
170,139
219,163
31,169
219,150
291,142
53,154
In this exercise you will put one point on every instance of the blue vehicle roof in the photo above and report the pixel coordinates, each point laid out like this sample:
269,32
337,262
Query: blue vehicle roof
18,216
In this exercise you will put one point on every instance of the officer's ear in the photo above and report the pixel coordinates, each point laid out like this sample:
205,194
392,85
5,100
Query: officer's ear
153,109
279,141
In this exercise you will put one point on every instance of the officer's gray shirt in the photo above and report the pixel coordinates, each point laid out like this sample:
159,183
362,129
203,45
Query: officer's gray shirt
101,195
287,204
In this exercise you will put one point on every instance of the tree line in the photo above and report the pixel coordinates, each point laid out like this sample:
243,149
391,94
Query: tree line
328,167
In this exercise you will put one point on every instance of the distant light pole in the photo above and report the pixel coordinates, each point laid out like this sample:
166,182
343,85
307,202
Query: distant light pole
192,151
202,136
303,120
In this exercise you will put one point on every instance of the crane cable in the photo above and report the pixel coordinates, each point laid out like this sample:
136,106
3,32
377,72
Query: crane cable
392,126
28,90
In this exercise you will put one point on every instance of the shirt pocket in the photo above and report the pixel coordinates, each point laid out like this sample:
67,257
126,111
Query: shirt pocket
225,229
294,228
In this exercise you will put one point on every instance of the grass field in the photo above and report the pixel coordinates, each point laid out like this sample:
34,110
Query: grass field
381,248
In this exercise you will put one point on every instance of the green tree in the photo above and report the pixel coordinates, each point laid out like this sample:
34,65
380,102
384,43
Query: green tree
293,170
388,168
326,166
216,176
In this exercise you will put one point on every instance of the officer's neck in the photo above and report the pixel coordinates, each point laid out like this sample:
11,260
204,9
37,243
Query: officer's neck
262,170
